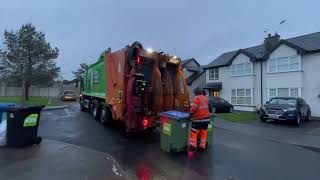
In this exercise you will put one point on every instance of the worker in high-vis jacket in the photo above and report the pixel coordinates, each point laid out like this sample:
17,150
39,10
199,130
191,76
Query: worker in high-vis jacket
199,112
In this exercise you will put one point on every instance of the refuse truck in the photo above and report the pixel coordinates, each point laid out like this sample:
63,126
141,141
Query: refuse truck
133,85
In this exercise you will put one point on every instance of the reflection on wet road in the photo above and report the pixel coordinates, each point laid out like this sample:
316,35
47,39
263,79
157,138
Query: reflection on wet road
234,154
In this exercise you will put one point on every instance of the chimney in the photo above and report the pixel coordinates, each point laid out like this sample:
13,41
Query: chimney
271,41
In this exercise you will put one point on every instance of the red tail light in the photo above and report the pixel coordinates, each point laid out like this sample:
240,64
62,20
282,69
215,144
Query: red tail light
138,60
164,119
145,122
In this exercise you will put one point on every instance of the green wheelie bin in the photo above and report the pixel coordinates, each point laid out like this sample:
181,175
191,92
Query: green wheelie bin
174,131
210,131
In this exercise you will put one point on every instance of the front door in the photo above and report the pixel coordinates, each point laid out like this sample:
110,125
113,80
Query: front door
215,93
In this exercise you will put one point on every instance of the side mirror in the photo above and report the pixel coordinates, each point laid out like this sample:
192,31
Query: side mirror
267,102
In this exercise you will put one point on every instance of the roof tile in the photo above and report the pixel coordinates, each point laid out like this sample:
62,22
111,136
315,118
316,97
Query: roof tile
308,42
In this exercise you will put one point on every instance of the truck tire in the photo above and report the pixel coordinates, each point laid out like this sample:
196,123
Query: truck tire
105,115
82,108
95,110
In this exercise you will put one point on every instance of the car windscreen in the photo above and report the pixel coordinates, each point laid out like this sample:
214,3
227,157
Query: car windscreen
69,93
223,101
283,101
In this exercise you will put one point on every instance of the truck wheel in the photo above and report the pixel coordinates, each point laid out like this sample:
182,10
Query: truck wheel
105,115
95,110
82,108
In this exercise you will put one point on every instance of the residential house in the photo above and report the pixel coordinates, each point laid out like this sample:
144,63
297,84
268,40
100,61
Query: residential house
194,75
249,77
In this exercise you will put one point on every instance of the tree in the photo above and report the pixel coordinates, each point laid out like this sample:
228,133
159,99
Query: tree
80,71
28,57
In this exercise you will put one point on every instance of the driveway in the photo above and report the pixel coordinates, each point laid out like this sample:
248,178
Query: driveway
312,127
235,153
306,135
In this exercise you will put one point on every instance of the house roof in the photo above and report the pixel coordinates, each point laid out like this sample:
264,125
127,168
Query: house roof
304,43
222,60
194,76
308,42
197,70
187,61
192,68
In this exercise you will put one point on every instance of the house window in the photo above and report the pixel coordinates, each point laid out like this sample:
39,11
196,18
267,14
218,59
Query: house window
284,64
284,92
242,69
214,74
272,93
95,78
242,96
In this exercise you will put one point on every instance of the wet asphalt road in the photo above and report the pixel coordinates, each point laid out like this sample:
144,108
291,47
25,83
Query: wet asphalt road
242,156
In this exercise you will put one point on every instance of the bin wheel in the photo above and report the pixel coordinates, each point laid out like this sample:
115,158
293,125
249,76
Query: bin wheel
38,140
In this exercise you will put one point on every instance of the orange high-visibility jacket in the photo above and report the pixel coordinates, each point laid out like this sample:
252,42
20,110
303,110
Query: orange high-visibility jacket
200,107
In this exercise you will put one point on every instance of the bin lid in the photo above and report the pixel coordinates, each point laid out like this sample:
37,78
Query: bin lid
5,106
19,107
175,114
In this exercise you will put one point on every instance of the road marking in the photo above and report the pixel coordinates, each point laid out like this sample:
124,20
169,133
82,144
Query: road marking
115,170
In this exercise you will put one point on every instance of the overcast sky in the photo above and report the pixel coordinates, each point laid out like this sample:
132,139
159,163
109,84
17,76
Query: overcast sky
202,29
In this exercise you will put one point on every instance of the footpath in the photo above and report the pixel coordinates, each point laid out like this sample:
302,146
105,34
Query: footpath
57,161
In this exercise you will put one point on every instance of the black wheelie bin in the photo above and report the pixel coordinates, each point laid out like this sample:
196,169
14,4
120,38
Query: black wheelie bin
22,125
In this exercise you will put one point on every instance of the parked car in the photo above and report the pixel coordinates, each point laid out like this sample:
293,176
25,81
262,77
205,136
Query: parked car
217,104
68,95
286,108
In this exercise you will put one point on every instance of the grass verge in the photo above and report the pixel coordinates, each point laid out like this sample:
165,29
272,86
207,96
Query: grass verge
238,116
32,100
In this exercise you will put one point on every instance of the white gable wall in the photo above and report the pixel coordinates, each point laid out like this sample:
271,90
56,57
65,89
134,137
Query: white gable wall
282,51
311,82
236,82
241,58
282,79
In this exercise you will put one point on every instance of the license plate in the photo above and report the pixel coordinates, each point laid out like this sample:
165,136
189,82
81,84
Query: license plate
273,116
